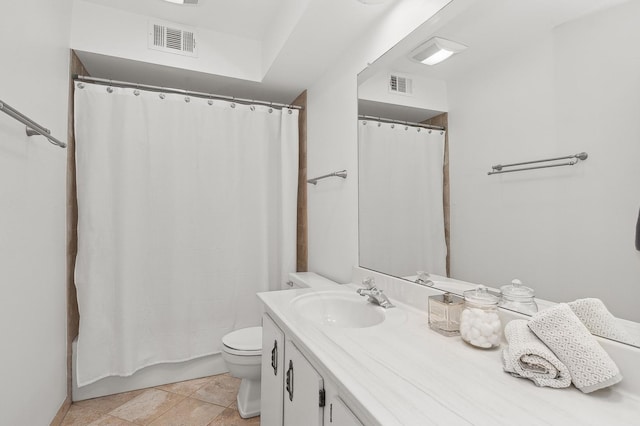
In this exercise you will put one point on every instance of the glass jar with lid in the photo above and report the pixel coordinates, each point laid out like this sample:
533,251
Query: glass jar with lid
518,297
480,324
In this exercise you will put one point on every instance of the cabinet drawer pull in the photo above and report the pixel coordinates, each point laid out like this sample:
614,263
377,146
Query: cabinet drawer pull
290,380
274,357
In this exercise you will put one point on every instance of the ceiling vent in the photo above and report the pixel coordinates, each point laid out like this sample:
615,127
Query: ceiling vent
400,84
172,38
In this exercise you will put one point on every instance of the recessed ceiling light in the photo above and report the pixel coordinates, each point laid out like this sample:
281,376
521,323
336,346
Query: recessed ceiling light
436,50
183,1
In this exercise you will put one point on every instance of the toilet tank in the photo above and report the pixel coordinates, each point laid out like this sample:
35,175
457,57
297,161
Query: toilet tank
307,280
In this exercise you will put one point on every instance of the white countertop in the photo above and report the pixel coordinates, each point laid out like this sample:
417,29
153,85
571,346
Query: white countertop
403,373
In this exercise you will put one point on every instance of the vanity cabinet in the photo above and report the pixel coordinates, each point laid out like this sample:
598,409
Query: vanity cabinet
272,375
292,390
340,414
304,390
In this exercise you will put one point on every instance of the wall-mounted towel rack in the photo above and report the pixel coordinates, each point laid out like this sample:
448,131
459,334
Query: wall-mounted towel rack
33,128
498,168
341,173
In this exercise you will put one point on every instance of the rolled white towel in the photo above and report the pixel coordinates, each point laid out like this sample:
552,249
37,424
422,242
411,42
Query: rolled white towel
590,366
599,321
529,358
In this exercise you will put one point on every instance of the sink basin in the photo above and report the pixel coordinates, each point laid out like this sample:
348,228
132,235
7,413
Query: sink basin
339,309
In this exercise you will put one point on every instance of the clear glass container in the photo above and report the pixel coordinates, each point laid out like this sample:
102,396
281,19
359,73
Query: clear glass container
518,297
480,324
444,313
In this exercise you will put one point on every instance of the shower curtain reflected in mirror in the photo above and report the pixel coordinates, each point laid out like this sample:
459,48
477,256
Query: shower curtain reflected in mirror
186,209
401,218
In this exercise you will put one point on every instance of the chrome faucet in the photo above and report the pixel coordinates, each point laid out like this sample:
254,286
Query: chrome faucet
374,294
424,278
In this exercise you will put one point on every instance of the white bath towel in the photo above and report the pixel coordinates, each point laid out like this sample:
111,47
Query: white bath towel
599,321
590,366
529,358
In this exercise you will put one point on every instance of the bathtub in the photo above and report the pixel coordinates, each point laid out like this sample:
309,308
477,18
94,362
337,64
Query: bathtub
154,375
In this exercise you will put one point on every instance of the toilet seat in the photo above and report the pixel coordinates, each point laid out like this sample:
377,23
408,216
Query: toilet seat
244,342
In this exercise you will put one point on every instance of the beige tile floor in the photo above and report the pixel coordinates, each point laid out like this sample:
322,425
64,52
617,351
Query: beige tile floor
210,401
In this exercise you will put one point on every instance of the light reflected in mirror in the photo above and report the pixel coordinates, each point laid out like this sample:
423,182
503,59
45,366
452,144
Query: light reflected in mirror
539,80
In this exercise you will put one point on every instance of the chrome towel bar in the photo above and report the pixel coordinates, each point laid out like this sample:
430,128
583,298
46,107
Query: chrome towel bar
342,174
33,128
498,168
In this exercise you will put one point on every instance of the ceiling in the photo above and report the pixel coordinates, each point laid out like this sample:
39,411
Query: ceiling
243,18
321,31
489,28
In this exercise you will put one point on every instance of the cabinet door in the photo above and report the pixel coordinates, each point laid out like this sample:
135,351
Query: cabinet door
303,386
272,375
341,415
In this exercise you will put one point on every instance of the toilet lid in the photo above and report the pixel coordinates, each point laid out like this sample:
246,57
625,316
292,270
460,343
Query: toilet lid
245,339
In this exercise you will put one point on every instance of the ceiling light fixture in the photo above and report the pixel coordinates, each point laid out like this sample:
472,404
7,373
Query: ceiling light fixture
436,50
182,1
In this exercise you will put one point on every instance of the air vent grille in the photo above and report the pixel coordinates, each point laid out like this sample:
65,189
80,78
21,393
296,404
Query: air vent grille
172,38
188,42
400,84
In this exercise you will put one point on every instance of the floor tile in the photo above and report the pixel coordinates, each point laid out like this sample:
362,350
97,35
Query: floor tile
108,403
231,417
185,388
111,421
189,412
220,390
80,416
147,406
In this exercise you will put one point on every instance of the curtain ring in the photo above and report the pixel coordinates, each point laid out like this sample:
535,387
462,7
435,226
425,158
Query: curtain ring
442,133
109,89
364,122
270,110
187,99
430,131
379,124
161,96
290,112
393,126
252,108
406,127
136,92
80,85
233,105
210,102
419,129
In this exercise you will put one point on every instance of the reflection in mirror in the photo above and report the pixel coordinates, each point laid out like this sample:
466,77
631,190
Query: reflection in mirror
401,185
538,80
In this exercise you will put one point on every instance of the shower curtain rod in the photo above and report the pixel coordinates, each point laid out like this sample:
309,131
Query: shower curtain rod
116,83
407,123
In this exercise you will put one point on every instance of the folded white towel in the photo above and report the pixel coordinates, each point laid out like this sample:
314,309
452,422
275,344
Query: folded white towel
527,357
599,321
590,366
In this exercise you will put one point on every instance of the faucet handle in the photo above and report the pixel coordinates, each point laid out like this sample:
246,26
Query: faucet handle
369,282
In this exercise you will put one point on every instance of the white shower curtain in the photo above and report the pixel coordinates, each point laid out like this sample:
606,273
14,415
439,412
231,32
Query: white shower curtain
186,209
401,219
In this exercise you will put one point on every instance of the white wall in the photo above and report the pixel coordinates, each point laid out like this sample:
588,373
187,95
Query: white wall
35,58
112,32
568,232
333,141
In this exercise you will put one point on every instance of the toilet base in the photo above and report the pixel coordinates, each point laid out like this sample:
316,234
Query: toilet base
249,398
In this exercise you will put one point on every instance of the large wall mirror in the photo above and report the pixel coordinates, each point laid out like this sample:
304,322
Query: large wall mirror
537,80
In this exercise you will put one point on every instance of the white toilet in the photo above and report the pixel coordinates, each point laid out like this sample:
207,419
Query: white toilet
242,353
242,350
